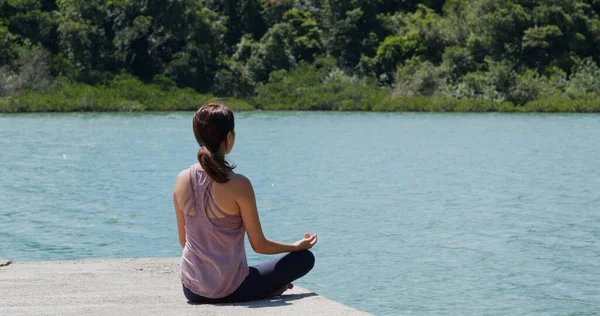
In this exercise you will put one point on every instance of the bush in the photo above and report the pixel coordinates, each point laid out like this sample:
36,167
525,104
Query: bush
124,93
5,105
502,79
557,103
531,86
233,81
436,104
30,70
457,62
472,85
584,80
324,86
420,78
320,86
390,53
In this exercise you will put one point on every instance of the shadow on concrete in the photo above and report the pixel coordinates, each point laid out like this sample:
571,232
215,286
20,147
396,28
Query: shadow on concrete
282,300
276,301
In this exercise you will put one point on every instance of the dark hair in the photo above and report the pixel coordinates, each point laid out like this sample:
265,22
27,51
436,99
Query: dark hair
211,123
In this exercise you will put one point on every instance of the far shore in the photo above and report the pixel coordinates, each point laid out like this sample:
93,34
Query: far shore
398,104
139,97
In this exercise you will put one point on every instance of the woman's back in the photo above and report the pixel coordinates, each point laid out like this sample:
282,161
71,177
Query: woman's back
215,208
214,260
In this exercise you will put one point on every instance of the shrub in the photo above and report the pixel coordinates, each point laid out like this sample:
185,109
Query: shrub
419,78
320,86
457,62
233,81
30,70
123,94
435,104
530,86
584,80
557,103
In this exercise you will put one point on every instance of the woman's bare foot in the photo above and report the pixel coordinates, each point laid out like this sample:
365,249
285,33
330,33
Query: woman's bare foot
282,290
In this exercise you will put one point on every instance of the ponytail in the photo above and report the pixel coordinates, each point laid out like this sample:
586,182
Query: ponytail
212,124
214,165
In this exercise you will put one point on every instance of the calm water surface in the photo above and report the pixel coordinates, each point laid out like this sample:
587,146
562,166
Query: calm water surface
444,214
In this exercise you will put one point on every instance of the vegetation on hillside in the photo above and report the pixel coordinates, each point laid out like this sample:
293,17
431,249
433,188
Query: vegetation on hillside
387,55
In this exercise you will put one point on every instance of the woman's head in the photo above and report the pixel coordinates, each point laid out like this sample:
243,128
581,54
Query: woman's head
214,131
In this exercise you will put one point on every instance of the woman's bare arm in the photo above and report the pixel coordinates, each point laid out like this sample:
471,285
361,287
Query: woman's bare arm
246,201
180,183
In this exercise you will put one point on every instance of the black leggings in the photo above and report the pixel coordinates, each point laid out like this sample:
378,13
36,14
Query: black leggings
263,279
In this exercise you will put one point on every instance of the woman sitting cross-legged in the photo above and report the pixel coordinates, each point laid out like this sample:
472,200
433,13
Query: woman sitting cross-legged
215,207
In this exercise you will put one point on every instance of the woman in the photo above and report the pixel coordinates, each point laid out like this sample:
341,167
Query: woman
214,208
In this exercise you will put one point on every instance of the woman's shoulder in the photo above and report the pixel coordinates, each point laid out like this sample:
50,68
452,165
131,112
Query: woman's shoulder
184,174
239,183
182,179
238,179
240,186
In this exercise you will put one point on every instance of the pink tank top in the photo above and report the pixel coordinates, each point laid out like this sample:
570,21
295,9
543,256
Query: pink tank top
214,262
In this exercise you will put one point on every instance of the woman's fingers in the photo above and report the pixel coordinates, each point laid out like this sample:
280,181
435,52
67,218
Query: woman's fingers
310,239
313,239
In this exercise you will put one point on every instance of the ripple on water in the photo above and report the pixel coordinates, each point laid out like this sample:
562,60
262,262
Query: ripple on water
424,214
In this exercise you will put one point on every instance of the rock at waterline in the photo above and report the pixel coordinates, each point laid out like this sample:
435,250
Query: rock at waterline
4,262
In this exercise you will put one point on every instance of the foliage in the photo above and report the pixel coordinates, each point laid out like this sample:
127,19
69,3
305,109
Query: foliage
274,52
420,78
29,70
233,80
123,93
438,104
301,54
317,86
584,80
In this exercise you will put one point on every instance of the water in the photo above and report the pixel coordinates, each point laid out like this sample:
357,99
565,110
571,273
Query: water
443,214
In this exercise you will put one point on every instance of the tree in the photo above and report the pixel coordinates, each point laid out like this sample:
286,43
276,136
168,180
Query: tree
307,42
272,53
498,27
7,45
233,80
85,37
354,29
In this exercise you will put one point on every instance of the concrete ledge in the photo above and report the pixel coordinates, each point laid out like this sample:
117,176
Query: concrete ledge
131,287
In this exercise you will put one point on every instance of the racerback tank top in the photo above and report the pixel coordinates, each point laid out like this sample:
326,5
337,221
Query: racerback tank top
213,263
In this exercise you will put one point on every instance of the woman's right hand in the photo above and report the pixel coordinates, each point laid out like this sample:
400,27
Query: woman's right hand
306,243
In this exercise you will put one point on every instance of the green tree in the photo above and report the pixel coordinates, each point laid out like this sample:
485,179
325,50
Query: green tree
233,80
420,78
392,51
307,42
32,20
353,28
458,62
183,40
274,52
85,37
7,45
498,29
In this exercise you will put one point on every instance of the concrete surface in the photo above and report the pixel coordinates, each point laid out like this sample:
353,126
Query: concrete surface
131,287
